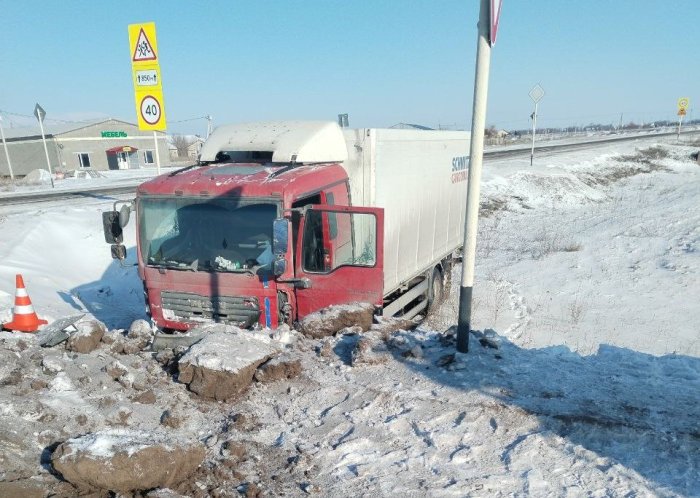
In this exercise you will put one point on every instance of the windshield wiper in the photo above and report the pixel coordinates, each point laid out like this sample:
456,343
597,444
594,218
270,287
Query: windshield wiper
175,265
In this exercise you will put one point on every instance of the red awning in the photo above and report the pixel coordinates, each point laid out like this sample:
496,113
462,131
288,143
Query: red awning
122,148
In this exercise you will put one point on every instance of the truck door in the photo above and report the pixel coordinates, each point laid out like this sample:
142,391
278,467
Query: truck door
353,270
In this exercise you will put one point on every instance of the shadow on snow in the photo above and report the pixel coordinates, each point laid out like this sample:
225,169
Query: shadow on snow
116,299
640,410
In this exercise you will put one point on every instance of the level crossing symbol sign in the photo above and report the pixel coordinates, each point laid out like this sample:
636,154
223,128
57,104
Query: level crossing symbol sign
145,72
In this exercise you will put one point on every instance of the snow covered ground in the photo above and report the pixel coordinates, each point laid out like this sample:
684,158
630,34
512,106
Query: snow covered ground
82,181
583,377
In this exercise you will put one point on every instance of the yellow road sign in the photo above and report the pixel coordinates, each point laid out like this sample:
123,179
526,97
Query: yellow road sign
683,103
681,112
145,72
150,110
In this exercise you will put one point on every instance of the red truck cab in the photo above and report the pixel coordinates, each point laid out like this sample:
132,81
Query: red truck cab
207,250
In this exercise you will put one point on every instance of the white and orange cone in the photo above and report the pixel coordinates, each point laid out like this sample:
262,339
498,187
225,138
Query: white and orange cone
25,318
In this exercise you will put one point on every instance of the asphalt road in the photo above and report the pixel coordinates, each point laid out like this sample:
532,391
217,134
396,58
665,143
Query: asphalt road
124,189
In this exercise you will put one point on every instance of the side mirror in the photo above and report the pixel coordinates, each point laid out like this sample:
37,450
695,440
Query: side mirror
279,266
124,214
118,252
112,228
280,236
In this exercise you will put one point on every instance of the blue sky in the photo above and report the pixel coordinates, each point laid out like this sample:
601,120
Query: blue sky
383,62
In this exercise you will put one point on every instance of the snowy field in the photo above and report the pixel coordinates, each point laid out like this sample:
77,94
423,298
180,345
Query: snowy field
583,378
82,181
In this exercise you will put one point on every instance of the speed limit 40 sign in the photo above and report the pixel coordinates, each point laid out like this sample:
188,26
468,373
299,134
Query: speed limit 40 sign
150,109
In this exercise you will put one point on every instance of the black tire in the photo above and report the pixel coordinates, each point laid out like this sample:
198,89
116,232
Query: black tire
436,290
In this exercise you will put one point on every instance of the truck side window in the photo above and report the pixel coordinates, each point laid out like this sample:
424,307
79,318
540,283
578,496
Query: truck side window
313,242
356,246
314,199
332,220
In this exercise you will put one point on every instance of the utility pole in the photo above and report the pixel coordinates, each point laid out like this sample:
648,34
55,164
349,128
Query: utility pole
7,154
487,31
40,113
209,130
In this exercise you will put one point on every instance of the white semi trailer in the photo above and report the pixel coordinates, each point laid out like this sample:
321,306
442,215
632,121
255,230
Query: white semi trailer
281,219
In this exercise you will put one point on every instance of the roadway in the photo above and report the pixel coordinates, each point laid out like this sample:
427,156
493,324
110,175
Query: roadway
124,188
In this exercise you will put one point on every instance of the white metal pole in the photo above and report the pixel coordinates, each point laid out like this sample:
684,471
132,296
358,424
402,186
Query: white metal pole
46,150
155,139
680,121
534,131
476,153
208,125
7,154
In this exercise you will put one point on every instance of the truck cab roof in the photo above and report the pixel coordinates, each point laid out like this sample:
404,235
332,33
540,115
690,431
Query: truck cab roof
246,179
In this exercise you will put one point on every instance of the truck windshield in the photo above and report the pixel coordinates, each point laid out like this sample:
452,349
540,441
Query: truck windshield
211,235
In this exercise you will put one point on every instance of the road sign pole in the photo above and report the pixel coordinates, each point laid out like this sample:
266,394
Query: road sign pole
476,153
46,149
7,154
155,139
534,131
680,122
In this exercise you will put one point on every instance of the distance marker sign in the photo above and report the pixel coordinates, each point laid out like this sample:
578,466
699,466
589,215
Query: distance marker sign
145,70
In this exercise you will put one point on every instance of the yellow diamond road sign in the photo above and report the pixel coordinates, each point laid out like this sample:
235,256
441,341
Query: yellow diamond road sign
145,71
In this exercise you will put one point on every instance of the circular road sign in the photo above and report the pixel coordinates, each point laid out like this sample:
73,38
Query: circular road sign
683,103
150,110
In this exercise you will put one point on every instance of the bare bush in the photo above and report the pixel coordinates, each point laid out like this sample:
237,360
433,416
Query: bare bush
576,310
182,144
644,161
548,241
491,205
487,239
571,247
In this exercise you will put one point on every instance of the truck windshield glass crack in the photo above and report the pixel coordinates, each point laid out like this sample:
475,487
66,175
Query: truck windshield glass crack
212,235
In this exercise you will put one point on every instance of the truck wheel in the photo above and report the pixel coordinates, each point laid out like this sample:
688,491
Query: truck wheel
436,290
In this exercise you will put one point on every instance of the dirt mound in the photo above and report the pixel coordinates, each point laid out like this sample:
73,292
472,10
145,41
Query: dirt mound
331,320
126,461
282,367
222,364
37,177
87,338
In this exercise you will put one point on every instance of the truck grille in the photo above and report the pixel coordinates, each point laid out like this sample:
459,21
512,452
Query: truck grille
240,311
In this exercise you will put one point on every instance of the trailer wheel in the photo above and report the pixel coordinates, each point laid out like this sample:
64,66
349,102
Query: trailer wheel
436,290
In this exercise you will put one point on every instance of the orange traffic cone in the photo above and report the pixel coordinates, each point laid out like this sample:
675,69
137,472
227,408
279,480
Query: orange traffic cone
25,319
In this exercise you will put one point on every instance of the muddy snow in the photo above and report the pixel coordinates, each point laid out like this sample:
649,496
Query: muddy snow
583,376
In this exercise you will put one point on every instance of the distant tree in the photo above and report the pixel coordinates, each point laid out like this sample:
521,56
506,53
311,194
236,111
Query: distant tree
491,132
182,144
